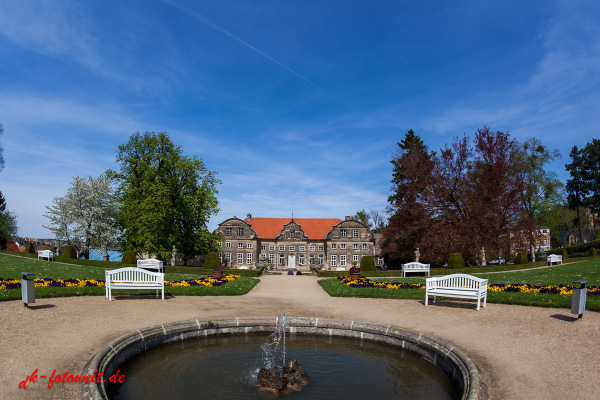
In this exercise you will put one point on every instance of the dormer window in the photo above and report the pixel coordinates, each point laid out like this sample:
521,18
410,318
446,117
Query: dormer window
240,231
292,234
228,231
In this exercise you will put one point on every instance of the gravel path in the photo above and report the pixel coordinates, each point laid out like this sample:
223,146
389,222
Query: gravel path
525,352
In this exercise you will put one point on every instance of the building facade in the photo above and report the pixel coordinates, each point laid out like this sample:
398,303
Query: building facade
293,242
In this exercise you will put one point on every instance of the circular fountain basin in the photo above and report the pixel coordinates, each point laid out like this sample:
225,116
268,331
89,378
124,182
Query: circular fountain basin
228,351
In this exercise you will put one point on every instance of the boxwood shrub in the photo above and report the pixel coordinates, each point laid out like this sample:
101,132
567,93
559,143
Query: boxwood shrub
456,261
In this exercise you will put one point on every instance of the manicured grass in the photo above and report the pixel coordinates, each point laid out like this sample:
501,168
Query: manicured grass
559,275
11,267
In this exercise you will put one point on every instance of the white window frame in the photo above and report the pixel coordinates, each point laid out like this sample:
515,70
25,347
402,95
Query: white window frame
292,248
321,248
354,257
343,233
333,260
301,248
343,246
228,231
292,234
342,260
301,259
365,246
281,259
311,248
228,256
228,245
271,248
355,233
281,248
240,231
355,246
220,256
272,258
248,258
263,248
333,246
240,245
240,258
249,245
321,258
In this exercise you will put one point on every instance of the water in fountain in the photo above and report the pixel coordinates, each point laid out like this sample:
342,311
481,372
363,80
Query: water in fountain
274,340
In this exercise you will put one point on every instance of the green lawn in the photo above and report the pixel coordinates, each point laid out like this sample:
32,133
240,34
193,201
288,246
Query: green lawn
559,275
11,268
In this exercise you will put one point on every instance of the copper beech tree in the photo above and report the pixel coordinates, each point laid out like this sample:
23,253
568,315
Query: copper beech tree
466,197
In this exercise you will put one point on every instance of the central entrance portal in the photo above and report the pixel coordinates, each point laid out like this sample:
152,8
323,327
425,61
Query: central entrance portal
291,262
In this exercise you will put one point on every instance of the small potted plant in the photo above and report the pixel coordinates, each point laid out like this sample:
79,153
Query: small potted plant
354,271
218,271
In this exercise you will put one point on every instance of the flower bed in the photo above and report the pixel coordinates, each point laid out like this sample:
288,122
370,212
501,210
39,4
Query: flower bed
48,282
564,290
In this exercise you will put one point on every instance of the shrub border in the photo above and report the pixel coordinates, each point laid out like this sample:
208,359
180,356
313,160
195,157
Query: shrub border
453,361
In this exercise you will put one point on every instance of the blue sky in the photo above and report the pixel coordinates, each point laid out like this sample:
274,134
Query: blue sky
296,104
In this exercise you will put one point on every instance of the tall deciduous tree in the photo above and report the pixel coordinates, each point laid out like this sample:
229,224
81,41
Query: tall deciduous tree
8,223
363,217
577,187
85,216
165,198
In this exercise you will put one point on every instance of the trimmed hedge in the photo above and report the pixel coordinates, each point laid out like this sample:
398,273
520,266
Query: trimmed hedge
30,248
70,252
565,254
212,260
521,258
129,257
593,252
578,248
367,263
456,261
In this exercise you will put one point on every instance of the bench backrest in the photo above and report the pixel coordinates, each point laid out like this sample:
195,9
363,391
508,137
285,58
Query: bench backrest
149,262
555,257
415,265
132,274
458,281
44,253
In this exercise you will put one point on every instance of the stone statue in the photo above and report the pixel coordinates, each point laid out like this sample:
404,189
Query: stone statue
173,256
483,261
417,255
105,256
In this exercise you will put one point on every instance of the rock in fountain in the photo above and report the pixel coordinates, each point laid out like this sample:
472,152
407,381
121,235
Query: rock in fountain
277,379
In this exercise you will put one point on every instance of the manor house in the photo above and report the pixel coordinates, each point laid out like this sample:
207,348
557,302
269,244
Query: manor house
293,242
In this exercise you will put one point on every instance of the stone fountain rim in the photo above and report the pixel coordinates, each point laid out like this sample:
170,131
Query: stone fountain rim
455,362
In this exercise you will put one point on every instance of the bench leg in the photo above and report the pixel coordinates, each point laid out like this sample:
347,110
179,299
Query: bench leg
485,300
478,302
426,298
163,293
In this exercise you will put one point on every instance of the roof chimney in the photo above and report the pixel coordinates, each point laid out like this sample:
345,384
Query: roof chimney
348,218
249,217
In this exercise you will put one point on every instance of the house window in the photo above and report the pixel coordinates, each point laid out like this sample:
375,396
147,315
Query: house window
301,259
312,248
301,248
220,244
545,242
311,257
281,259
240,258
249,245
228,231
321,248
320,258
292,234
343,233
333,260
240,245
263,248
248,258
355,233
365,246
334,246
272,258
343,246
355,246
271,248
380,260
221,256
228,256
228,244
355,257
240,231
342,260
281,248
292,248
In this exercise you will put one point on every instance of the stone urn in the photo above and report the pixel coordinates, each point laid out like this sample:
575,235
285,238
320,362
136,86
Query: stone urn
354,273
218,274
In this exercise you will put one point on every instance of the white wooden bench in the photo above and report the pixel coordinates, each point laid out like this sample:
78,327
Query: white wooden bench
553,258
134,278
457,285
414,267
150,263
46,254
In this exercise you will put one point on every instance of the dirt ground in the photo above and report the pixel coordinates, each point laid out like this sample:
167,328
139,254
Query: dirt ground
524,352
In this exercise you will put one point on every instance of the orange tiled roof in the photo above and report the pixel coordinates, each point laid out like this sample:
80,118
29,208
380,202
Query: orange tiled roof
314,228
